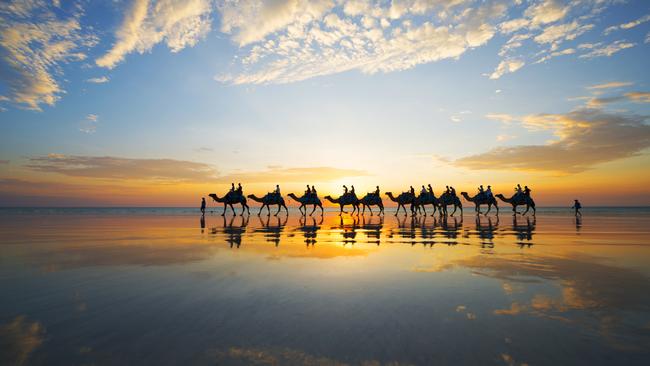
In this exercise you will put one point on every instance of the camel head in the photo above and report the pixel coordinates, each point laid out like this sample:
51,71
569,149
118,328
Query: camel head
214,196
464,194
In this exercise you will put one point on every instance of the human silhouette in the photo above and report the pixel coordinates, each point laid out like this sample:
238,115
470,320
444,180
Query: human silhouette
577,206
232,187
527,191
313,191
412,190
345,189
308,191
202,205
377,191
352,189
488,192
277,189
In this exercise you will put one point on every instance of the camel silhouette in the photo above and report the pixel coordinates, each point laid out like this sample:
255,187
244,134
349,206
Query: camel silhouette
307,200
345,200
229,199
447,199
268,200
519,199
425,199
372,199
481,199
404,198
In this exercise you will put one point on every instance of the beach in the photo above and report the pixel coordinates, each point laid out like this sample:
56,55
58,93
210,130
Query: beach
165,286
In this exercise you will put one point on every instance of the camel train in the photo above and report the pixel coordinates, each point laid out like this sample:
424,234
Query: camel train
417,203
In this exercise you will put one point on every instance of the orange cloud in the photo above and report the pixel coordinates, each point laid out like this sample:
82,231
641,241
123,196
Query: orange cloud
586,137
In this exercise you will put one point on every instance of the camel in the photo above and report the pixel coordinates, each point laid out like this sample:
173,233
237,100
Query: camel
229,199
345,200
307,200
268,200
369,200
481,199
424,199
405,198
519,199
447,199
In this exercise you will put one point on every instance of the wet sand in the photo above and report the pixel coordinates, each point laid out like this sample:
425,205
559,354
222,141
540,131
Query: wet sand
166,287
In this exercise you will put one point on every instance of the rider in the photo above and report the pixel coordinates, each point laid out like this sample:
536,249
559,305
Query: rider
527,191
239,189
447,189
452,191
277,189
377,191
345,189
518,188
430,188
424,190
313,191
488,192
232,187
412,190
352,190
481,191
308,191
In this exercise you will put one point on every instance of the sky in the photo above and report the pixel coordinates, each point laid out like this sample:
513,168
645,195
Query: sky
158,103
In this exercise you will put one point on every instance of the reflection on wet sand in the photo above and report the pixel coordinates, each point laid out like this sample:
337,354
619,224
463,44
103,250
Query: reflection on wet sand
326,289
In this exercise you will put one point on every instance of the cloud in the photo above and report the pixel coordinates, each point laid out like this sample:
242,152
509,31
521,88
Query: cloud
613,84
599,50
99,80
584,138
296,40
34,42
628,25
89,124
503,137
501,117
292,175
639,97
506,66
177,23
108,167
19,338
556,34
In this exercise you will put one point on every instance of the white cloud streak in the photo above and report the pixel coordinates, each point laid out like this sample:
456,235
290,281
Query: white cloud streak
177,23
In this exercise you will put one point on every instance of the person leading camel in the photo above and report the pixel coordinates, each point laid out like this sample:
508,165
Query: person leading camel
202,205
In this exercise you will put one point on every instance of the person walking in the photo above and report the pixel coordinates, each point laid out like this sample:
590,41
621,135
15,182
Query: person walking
577,206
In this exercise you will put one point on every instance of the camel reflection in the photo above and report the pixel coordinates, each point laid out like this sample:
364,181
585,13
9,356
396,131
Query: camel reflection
272,231
449,230
524,231
310,232
348,228
373,229
485,231
233,234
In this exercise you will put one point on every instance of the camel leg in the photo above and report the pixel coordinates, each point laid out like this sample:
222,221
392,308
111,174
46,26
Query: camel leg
322,211
312,211
424,209
381,209
341,213
233,209
452,214
260,211
279,208
526,211
369,209
489,208
514,210
225,207
286,208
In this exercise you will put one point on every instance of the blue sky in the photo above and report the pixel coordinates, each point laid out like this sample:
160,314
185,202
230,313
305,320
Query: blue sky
393,92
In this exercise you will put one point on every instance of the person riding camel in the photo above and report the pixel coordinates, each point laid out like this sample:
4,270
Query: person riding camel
377,191
345,190
308,191
232,187
239,189
430,189
313,191
412,190
352,190
423,191
277,190
488,192
526,191
481,191
452,191
447,189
